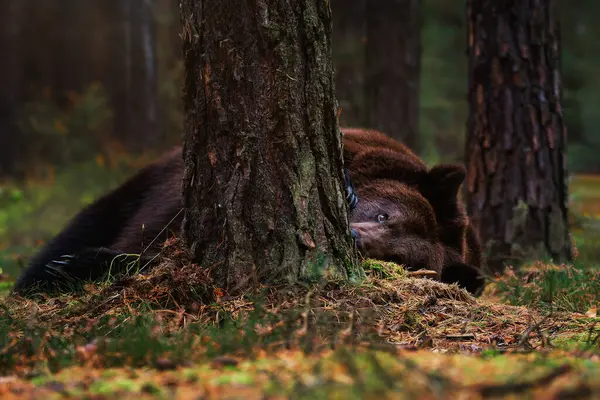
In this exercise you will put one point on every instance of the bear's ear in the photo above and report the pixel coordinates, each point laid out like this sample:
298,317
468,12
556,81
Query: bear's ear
446,179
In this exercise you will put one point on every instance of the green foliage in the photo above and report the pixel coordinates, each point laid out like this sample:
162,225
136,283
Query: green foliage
5,288
573,288
74,133
264,347
383,270
443,106
566,287
31,213
138,338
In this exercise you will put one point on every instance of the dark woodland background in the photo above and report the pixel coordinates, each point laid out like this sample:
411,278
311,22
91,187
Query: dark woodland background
86,77
92,89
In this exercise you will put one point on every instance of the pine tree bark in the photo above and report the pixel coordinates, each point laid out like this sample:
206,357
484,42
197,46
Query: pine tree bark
263,179
515,152
392,68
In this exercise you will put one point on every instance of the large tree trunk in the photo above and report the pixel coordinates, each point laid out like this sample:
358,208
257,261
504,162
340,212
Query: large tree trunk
263,179
517,180
392,68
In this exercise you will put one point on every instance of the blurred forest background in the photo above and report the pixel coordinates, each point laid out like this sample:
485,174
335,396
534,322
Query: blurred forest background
91,91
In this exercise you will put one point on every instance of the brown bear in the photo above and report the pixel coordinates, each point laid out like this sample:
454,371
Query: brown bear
394,222
371,155
104,232
393,219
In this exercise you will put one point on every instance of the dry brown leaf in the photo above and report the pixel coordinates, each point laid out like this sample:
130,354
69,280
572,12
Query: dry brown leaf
592,312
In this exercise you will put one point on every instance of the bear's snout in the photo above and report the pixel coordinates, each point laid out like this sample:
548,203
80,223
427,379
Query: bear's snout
369,238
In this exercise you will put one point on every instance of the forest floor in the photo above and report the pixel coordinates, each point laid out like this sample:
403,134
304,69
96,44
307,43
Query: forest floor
534,333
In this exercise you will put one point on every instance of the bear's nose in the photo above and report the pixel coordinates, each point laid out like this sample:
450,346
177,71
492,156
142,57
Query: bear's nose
354,234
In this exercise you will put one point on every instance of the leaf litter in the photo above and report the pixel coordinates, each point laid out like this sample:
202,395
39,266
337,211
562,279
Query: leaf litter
392,333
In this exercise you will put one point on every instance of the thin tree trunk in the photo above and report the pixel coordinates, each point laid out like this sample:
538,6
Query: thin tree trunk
40,58
10,82
69,68
392,69
120,85
263,179
136,114
348,46
517,178
95,21
144,70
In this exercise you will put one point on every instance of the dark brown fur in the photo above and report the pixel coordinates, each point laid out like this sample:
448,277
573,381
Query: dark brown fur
408,233
371,155
140,214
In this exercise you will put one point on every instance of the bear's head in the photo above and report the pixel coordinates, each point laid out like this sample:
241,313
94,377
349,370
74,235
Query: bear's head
372,157
394,222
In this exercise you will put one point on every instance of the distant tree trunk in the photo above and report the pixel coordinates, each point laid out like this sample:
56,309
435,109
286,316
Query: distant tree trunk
136,74
263,179
392,69
517,178
10,82
69,43
168,30
144,68
120,86
94,24
348,46
38,51
169,62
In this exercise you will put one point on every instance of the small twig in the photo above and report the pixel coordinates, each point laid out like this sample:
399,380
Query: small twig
161,231
466,336
424,273
111,298
531,328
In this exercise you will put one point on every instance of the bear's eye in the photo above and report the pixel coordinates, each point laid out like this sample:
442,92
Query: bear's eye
382,218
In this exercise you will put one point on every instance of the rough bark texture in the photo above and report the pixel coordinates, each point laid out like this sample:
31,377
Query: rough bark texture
392,69
517,179
263,179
